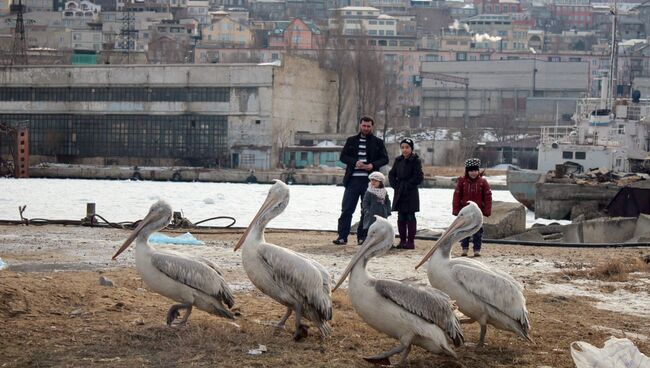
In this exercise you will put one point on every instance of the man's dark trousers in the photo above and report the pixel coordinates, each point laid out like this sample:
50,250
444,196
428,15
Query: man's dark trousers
354,191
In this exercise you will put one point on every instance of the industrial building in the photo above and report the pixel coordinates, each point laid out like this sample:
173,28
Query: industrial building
236,116
528,89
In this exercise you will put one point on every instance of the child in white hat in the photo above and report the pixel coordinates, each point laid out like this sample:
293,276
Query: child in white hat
375,201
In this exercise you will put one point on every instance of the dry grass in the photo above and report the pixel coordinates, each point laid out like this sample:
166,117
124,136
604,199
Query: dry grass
123,327
614,270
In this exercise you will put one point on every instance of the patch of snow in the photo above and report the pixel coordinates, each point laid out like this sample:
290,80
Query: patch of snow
621,301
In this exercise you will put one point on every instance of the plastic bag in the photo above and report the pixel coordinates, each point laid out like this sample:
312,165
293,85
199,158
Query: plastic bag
187,238
617,353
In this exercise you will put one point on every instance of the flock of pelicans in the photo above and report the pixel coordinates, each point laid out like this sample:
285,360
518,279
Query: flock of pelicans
415,316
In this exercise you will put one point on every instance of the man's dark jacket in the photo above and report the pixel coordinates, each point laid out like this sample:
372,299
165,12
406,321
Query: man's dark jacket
375,154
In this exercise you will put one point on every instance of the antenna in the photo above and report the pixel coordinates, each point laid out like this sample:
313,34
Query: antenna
19,49
611,87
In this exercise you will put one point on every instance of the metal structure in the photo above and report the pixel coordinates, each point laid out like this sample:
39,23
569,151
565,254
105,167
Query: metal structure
452,79
16,140
127,32
19,49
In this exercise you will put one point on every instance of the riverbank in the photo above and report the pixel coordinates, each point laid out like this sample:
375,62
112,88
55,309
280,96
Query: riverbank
311,176
56,313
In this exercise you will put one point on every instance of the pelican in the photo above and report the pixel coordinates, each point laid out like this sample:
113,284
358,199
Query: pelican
293,280
423,317
191,281
484,294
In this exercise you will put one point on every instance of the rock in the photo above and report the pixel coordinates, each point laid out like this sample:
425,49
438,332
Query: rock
507,219
76,312
105,281
585,210
530,235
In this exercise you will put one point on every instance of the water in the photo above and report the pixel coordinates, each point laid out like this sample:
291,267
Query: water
310,207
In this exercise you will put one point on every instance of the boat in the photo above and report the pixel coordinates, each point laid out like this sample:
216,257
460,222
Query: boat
521,184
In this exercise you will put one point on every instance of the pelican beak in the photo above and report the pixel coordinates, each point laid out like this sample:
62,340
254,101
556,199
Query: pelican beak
147,220
367,244
268,203
458,222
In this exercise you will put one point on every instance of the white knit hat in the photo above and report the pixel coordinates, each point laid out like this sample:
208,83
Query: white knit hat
376,175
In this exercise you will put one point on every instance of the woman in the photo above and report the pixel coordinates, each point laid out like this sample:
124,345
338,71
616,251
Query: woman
405,176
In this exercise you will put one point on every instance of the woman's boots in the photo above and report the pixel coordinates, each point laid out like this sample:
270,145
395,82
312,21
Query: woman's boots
406,234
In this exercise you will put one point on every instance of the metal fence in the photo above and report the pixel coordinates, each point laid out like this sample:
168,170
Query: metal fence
196,138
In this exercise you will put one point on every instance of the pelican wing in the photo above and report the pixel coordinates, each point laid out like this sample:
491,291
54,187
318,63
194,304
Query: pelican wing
494,289
196,273
298,276
429,304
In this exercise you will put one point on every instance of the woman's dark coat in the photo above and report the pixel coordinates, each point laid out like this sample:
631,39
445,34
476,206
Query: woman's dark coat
404,177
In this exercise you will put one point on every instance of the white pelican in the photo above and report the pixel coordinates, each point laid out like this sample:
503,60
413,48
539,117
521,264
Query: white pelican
484,294
191,281
293,280
423,317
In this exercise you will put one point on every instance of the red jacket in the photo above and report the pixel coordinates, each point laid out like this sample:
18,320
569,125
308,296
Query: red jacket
477,190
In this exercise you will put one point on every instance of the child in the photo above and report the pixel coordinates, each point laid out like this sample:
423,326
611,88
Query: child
375,201
473,187
405,176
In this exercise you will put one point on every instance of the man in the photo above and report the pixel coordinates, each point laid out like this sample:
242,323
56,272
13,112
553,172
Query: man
362,154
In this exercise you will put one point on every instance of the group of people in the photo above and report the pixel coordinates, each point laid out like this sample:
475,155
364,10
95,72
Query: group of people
364,154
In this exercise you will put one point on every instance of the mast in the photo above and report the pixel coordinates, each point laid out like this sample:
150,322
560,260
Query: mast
613,60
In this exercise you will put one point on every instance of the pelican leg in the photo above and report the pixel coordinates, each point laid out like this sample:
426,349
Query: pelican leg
466,321
481,340
284,318
188,311
301,330
173,313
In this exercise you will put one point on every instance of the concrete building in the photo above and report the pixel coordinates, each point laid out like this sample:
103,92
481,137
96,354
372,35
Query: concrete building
503,88
200,115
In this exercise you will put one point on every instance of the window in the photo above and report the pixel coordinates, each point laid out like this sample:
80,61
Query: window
304,156
621,129
461,56
372,22
567,155
390,33
76,36
372,32
581,155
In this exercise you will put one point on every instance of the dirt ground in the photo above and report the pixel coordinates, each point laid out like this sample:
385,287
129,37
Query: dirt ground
54,312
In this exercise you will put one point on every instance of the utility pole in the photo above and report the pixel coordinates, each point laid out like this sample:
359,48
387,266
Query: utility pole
19,49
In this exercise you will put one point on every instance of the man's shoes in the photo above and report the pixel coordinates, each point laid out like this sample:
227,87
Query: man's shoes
340,241
464,254
360,241
477,254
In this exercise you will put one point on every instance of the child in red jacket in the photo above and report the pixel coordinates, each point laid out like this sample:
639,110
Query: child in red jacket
473,187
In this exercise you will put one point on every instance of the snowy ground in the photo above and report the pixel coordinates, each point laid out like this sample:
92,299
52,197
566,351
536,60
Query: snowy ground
311,207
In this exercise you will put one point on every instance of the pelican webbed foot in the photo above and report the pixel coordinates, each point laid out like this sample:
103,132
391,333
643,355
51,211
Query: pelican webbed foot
174,313
283,320
382,359
301,333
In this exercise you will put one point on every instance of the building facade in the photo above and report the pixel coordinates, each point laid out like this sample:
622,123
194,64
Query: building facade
197,115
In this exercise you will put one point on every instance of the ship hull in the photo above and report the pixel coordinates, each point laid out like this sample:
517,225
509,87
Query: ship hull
521,184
